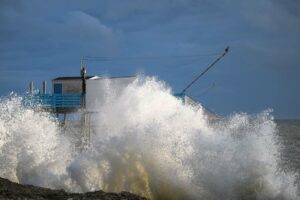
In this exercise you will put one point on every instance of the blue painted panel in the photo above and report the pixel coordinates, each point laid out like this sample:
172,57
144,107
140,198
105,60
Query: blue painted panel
57,88
54,101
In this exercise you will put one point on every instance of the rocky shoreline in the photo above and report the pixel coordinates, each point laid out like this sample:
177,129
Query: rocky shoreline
11,190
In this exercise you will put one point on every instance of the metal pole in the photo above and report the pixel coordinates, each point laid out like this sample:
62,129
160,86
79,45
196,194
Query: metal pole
81,62
210,66
83,92
44,87
83,88
31,87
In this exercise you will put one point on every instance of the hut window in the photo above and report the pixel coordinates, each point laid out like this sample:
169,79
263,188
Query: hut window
58,88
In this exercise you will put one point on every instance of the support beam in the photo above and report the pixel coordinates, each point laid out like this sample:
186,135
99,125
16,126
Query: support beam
65,119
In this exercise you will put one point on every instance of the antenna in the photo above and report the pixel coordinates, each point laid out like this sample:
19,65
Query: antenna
82,59
210,66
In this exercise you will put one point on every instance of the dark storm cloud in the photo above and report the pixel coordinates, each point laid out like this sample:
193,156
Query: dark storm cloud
43,39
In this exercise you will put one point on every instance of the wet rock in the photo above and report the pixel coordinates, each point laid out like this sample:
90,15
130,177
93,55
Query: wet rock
10,190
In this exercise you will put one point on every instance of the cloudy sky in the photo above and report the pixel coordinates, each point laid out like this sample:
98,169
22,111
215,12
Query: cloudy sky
44,39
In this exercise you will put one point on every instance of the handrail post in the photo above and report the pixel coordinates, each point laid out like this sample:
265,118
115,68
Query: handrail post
31,87
44,87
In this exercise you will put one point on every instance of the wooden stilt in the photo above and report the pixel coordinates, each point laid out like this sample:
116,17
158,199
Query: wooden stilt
65,119
89,127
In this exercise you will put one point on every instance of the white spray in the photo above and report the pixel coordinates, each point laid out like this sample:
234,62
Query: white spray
146,141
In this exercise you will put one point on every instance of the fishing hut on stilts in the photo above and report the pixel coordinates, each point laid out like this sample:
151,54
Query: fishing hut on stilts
76,95
84,95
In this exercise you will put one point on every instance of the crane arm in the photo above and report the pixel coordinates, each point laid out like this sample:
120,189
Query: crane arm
210,66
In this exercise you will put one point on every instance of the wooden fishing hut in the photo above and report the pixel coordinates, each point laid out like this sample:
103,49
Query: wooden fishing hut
81,95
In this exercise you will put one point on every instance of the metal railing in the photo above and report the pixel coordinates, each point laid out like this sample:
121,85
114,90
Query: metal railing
54,101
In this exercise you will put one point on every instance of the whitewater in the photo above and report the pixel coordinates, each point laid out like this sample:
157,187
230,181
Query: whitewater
146,141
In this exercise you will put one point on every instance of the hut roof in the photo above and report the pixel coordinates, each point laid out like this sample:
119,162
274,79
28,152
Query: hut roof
89,77
71,78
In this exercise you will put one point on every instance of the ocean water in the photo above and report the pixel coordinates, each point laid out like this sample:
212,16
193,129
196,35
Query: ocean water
288,132
146,141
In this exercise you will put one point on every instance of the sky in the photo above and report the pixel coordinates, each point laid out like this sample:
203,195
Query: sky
45,39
